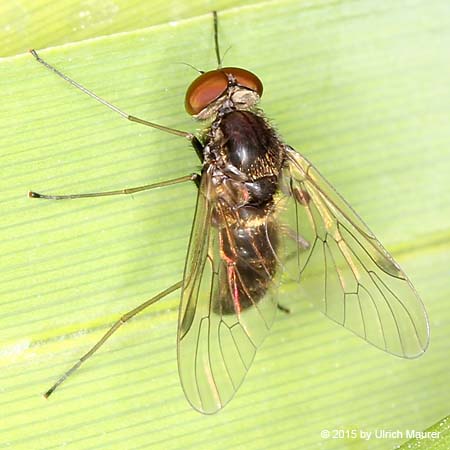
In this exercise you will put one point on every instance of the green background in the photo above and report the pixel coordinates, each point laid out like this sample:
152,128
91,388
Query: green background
360,87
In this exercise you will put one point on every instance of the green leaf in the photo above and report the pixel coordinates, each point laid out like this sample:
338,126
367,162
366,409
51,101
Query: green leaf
360,87
437,437
37,23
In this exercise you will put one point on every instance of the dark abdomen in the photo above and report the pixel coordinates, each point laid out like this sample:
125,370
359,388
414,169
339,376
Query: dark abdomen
249,261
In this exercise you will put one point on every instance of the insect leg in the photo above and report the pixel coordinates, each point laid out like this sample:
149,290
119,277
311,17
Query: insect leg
125,318
191,137
193,177
302,243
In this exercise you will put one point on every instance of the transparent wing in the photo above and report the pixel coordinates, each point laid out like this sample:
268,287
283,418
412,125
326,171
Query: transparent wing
342,265
218,335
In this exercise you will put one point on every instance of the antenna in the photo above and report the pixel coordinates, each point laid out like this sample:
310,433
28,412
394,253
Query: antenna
216,40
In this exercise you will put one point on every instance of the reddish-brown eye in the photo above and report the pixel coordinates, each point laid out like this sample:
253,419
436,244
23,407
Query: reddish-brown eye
211,85
246,79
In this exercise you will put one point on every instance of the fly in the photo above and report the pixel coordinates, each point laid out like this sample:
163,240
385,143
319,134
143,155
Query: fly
263,210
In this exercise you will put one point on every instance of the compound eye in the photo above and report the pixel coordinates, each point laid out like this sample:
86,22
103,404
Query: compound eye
204,90
245,79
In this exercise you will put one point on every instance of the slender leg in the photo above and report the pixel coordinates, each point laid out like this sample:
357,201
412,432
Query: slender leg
193,177
290,233
190,136
125,318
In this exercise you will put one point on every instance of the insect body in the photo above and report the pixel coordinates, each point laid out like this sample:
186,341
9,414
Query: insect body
263,209
244,163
